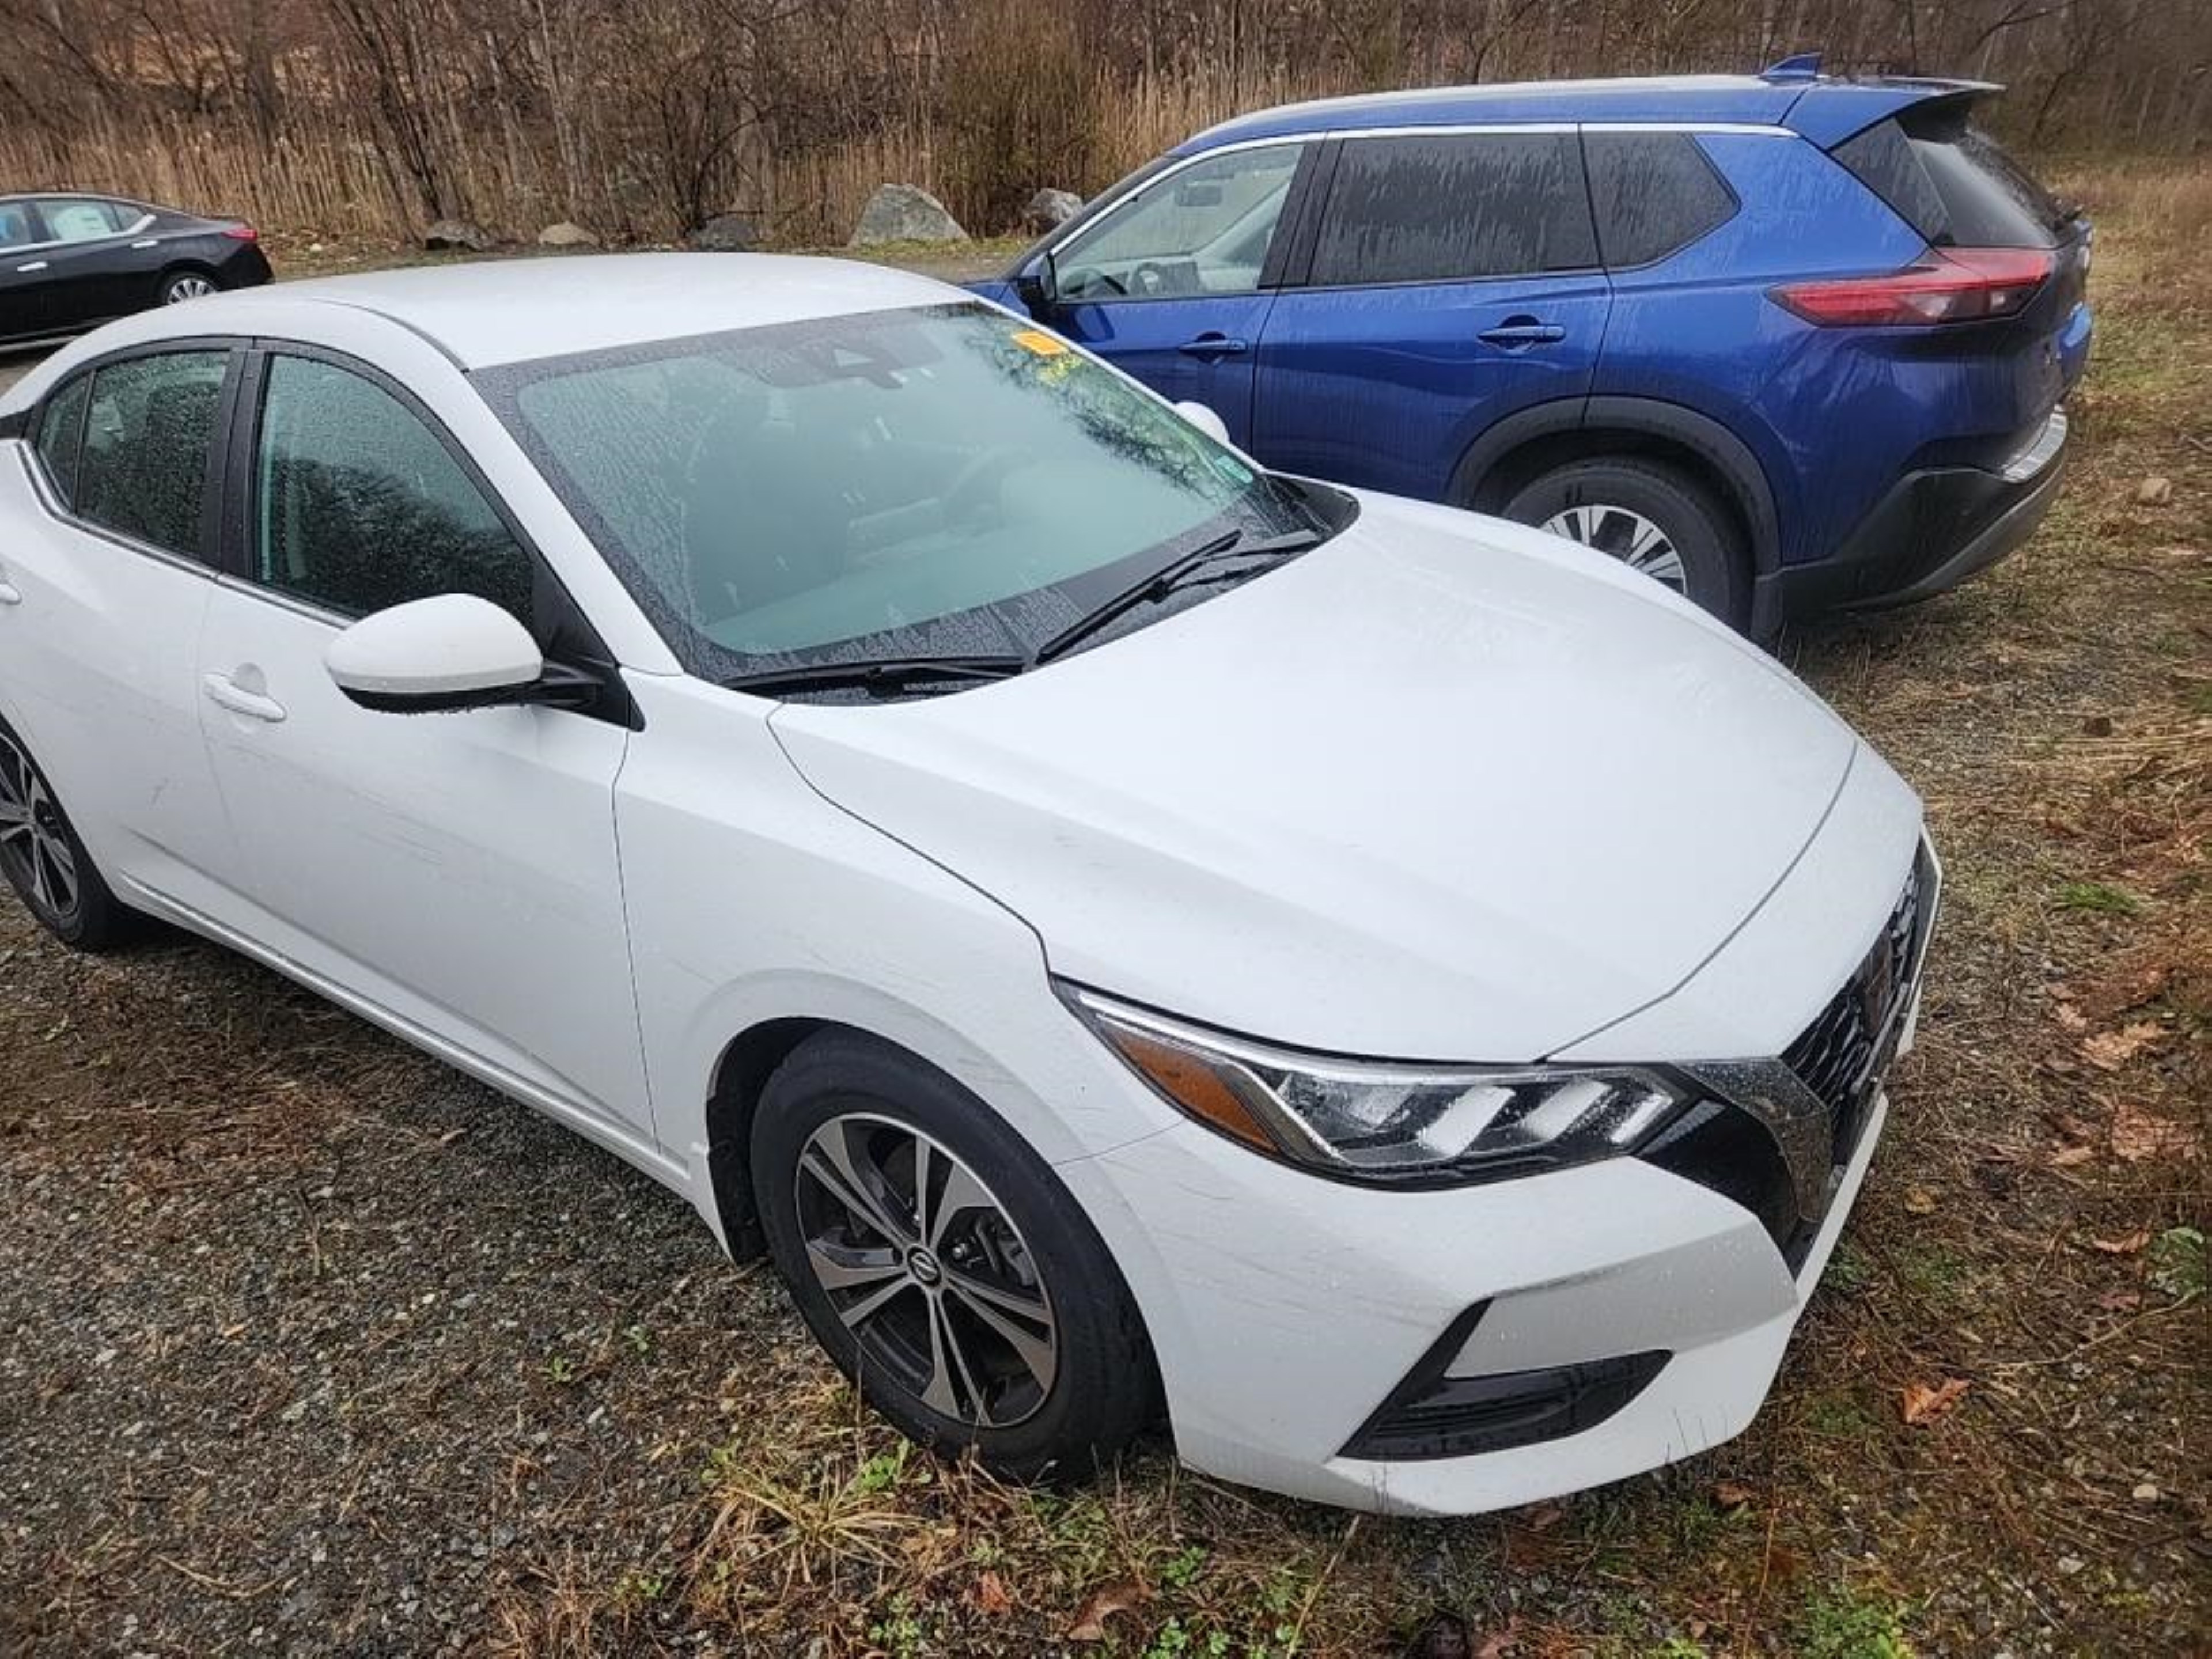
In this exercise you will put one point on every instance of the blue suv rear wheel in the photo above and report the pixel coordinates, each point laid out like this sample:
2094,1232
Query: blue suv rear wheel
1653,518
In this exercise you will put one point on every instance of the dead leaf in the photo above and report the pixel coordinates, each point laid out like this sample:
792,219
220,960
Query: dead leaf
991,1596
2137,1134
1732,1494
1501,1640
1918,1200
1122,1595
2071,1019
2097,725
2127,1244
1922,1404
1545,1516
2110,1050
2067,1156
2155,491
451,1136
2120,1301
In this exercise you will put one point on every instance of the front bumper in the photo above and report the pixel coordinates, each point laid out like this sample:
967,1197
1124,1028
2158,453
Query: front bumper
1936,528
1284,1308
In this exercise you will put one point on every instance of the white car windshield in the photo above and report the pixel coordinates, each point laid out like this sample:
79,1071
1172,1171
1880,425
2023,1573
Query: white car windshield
935,481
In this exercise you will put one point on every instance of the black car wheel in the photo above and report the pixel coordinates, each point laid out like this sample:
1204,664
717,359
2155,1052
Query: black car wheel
179,286
1654,519
46,863
943,1266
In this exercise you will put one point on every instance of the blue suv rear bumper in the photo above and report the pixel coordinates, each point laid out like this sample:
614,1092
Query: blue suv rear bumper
1933,529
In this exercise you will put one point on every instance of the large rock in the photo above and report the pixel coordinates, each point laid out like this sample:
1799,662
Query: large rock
1049,208
726,232
905,212
459,233
566,235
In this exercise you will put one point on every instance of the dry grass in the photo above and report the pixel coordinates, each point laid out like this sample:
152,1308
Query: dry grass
304,1344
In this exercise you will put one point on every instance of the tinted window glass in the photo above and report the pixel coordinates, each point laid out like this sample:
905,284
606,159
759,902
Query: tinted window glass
1476,204
16,228
1654,193
1953,183
143,467
946,480
61,424
360,505
69,220
1204,229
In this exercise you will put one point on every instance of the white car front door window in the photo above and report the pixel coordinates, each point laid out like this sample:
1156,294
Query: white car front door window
456,871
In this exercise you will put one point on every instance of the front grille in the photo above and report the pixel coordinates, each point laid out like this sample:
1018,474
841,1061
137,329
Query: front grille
1842,1054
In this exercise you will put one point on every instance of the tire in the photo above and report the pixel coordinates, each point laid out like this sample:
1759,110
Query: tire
179,286
1080,1386
1599,501
46,864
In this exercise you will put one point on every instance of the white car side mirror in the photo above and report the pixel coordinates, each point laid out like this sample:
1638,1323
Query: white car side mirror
1205,420
453,651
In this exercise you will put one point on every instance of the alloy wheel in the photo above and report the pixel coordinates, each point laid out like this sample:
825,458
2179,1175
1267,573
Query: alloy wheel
188,287
920,1260
1627,535
35,844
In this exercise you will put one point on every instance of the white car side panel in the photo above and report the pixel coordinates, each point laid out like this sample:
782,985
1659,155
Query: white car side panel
458,870
752,898
101,681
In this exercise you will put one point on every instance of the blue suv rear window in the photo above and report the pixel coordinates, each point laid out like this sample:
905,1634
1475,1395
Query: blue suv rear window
1447,206
1654,193
1952,182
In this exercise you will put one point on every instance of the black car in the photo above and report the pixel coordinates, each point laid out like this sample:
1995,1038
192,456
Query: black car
68,262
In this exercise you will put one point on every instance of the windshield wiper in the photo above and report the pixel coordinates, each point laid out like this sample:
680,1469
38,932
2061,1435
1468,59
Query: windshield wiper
1185,572
880,674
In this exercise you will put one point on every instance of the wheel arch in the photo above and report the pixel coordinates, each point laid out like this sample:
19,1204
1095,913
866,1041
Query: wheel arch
741,1073
1532,441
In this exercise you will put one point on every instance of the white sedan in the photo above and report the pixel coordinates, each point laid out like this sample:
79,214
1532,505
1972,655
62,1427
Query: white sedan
1393,992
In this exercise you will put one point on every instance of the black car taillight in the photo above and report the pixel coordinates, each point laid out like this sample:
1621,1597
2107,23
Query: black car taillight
1950,285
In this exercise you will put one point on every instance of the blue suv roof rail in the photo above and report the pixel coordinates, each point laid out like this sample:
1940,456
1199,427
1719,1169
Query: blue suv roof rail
1804,66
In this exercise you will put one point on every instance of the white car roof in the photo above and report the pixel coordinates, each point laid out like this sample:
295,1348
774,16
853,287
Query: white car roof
505,311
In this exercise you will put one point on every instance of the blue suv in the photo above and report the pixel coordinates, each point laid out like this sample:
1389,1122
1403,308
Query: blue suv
1790,343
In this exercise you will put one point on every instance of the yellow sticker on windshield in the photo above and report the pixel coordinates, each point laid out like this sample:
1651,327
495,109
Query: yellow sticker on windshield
1037,340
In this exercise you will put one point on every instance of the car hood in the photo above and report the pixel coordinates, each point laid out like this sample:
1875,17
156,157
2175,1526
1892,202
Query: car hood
1443,788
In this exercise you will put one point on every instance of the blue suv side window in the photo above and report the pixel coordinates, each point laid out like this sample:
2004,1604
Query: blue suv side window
1655,192
1204,228
1452,207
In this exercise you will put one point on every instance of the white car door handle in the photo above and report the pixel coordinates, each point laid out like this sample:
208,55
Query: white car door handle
9,594
148,241
252,704
35,264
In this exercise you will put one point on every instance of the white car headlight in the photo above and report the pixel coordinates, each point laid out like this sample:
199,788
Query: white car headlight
1379,1122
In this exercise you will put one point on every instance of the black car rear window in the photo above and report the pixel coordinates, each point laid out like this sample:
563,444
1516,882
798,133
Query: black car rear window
1654,193
1952,182
1451,206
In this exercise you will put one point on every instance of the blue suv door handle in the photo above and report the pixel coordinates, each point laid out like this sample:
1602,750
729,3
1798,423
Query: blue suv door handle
1516,332
1213,345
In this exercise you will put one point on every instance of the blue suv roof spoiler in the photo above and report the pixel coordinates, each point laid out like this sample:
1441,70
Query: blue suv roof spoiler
1805,66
